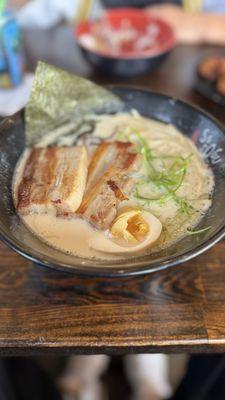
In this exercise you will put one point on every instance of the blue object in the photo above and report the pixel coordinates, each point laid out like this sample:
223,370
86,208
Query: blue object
215,6
11,61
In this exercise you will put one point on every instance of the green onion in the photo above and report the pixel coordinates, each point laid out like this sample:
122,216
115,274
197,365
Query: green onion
168,179
198,232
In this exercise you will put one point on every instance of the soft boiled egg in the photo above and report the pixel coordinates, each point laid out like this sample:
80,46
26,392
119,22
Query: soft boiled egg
132,231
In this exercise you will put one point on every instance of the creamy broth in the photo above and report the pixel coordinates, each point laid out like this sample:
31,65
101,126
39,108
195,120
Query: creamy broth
73,235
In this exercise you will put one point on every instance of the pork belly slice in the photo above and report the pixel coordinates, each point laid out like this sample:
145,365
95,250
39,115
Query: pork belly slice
109,182
53,180
70,179
102,158
35,182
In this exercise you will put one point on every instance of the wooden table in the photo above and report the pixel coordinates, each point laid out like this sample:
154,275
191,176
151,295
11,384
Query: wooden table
176,310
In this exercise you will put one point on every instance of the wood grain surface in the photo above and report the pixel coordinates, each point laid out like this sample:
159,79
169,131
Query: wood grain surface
175,310
179,309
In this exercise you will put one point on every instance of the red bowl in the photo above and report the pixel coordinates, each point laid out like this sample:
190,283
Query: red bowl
161,36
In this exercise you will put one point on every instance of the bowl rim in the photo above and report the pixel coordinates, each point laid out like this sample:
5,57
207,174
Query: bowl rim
135,267
168,46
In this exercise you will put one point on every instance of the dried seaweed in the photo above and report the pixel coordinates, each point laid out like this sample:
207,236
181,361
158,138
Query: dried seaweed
61,101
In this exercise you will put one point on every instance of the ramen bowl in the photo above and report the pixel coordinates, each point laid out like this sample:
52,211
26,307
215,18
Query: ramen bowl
207,134
143,42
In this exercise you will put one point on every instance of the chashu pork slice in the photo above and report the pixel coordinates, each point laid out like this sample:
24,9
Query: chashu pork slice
109,182
53,180
70,179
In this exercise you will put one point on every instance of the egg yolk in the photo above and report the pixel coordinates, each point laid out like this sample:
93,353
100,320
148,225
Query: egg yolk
130,226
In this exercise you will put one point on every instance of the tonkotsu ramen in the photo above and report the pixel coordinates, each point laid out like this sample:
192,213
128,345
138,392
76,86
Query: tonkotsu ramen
132,186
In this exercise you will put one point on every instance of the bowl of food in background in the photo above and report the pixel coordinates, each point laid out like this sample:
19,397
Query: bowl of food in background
125,41
211,78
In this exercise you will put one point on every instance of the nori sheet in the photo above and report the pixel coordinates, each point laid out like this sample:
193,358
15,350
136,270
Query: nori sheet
59,98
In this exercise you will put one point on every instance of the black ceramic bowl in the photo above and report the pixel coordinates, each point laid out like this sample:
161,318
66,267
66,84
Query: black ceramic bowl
125,68
208,136
208,90
131,62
